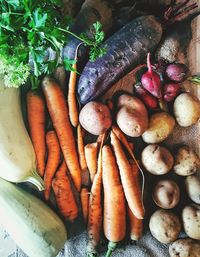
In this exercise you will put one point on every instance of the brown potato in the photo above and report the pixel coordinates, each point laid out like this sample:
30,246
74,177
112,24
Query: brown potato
164,226
161,126
95,117
186,109
166,194
132,117
186,162
157,159
184,247
191,221
192,184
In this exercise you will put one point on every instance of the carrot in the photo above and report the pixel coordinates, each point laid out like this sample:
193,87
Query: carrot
64,197
114,222
36,121
91,151
82,159
135,226
129,183
85,203
110,104
59,114
99,138
53,160
71,98
62,170
95,208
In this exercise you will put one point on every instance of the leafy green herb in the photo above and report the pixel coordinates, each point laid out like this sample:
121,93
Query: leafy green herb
33,32
195,79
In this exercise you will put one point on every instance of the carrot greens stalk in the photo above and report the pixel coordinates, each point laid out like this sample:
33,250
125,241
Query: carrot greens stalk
36,121
58,111
53,149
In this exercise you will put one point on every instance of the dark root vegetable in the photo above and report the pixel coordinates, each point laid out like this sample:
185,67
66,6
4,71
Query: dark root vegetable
151,80
171,90
177,72
149,100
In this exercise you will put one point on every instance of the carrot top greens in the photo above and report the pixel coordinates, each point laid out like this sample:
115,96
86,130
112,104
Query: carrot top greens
32,36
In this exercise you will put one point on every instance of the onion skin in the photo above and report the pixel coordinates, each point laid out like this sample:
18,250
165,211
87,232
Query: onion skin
171,90
176,72
149,100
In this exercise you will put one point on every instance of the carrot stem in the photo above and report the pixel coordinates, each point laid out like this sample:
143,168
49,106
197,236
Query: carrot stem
111,247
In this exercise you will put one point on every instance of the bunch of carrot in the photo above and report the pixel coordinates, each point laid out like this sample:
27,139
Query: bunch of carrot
107,182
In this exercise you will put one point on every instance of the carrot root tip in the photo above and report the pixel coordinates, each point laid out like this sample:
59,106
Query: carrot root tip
111,247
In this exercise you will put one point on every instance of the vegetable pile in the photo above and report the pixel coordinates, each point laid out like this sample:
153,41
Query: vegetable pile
96,158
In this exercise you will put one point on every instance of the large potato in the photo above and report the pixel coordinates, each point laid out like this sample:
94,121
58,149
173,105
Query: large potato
164,226
192,184
186,161
95,117
191,221
132,116
184,247
161,126
157,159
186,109
166,194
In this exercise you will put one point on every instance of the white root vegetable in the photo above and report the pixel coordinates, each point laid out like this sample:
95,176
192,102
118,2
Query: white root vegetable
17,157
192,184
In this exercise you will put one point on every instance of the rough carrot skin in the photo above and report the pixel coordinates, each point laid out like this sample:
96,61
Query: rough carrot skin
95,208
114,222
135,226
72,102
62,170
36,121
85,203
60,117
91,152
53,160
132,194
64,197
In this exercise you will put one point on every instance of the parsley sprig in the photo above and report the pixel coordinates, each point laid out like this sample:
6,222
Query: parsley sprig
34,32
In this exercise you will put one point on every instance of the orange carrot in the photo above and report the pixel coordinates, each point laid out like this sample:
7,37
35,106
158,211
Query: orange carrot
95,208
64,197
91,151
114,222
53,148
135,226
62,170
85,203
132,194
82,159
99,138
59,114
36,120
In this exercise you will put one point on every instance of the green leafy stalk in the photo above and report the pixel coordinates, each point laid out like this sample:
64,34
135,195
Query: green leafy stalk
195,79
33,32
111,247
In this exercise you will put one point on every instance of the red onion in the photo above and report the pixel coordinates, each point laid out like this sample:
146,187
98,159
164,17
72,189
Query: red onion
170,91
151,80
176,72
149,100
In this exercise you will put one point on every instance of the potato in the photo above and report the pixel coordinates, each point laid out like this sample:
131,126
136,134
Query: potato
95,117
184,247
164,226
191,221
186,162
186,109
166,194
192,184
161,126
132,116
157,159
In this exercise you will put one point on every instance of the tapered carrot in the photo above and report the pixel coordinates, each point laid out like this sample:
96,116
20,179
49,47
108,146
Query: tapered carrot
64,198
95,208
62,170
99,138
59,114
135,226
91,152
82,159
53,149
114,222
36,121
132,194
85,203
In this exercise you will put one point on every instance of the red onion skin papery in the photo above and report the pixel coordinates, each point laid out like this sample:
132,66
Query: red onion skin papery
149,100
176,72
171,90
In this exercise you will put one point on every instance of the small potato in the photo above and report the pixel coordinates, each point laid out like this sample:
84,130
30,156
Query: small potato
161,126
191,221
166,194
192,184
186,109
164,226
184,247
95,117
157,159
132,117
186,162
